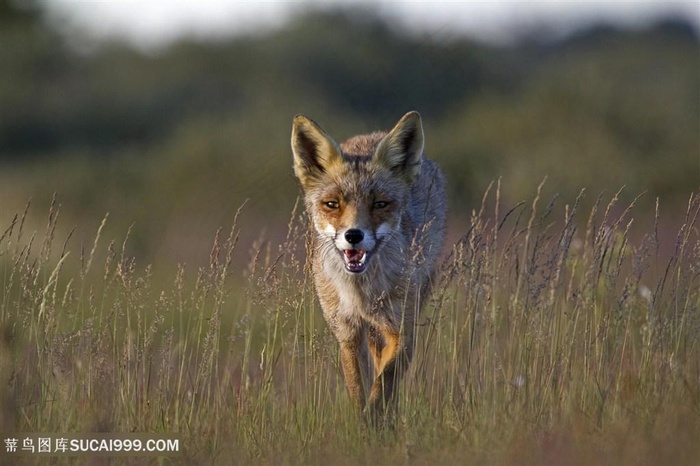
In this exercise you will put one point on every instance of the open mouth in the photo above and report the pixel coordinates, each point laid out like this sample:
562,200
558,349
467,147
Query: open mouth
355,260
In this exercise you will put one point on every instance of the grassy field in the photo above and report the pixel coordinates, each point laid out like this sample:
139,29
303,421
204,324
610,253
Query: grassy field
553,337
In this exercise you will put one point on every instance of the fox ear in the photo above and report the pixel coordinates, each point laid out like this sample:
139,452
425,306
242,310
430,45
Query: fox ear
402,149
314,150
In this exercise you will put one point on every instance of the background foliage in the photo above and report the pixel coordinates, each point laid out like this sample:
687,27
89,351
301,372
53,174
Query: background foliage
176,140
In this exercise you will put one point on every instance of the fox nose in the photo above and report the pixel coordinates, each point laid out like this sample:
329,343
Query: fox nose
354,236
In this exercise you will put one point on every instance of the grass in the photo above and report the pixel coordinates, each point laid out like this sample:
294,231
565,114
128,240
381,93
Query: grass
552,337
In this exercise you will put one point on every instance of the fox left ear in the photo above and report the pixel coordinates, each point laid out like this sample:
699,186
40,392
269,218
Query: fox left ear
313,149
401,151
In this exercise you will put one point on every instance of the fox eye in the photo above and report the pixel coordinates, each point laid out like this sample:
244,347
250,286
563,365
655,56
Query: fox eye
380,204
331,204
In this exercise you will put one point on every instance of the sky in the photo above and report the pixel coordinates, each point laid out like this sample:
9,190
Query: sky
151,24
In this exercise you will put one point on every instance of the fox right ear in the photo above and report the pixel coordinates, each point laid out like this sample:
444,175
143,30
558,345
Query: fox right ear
314,150
401,150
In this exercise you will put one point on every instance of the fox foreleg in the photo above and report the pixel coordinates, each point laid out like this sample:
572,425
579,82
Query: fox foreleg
350,354
391,359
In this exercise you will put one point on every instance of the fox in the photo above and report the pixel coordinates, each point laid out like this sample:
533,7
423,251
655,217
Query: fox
377,209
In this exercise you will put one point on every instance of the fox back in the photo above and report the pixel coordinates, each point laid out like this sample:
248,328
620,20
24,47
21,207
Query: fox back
378,209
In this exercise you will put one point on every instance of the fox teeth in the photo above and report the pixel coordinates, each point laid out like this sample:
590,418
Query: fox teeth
355,260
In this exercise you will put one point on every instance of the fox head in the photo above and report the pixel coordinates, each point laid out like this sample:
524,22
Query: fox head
357,192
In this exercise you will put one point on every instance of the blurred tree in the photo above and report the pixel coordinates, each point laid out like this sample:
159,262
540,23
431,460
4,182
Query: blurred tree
32,58
15,13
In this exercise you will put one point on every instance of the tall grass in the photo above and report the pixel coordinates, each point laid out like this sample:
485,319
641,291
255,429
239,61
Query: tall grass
552,337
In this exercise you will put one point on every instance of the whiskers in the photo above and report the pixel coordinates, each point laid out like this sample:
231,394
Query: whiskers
391,247
325,245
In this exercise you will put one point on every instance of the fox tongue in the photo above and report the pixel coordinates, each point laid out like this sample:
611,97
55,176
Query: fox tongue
354,255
